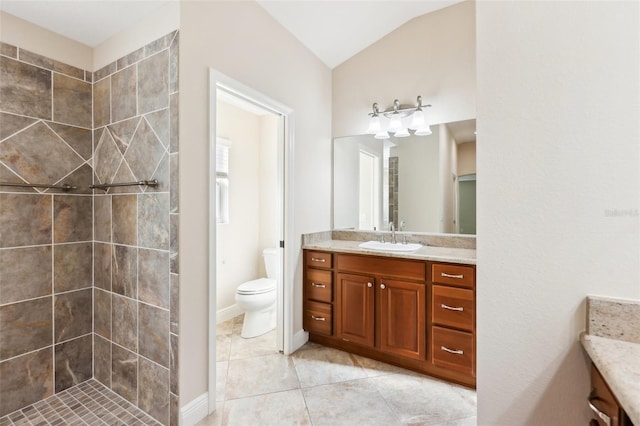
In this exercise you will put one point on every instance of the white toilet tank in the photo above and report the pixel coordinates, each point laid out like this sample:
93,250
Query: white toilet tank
270,256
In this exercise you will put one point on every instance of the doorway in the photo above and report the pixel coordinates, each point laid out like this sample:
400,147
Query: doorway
249,205
467,204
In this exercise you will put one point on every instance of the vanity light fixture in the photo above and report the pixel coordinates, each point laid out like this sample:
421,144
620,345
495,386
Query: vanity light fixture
396,114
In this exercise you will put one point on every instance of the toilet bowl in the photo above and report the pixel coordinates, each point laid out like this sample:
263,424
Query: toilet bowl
257,298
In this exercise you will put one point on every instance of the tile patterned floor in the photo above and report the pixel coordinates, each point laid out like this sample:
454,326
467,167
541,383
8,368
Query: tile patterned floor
89,403
322,386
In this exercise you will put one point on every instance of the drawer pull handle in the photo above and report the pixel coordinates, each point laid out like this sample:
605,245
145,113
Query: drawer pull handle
606,419
313,317
452,351
451,308
443,274
317,259
318,285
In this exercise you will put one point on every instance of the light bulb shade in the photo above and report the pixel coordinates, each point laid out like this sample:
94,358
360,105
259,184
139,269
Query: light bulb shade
395,123
382,135
374,125
417,120
402,133
423,131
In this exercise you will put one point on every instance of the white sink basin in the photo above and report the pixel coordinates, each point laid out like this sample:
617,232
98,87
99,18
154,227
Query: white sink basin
377,245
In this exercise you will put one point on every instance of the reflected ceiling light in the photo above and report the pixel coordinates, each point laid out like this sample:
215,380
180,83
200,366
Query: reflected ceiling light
395,115
382,135
395,124
425,131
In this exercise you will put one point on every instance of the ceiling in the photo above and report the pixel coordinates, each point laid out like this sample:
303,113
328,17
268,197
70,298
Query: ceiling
87,22
334,30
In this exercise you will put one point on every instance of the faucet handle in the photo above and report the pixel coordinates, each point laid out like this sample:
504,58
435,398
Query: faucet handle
401,225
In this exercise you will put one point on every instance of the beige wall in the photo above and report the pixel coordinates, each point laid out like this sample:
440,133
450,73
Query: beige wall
154,26
448,166
242,41
432,55
553,78
238,243
18,32
466,158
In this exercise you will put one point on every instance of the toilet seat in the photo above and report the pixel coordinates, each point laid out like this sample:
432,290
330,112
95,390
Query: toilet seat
259,286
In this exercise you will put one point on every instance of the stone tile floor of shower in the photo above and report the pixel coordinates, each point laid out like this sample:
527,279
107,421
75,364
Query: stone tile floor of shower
89,403
319,386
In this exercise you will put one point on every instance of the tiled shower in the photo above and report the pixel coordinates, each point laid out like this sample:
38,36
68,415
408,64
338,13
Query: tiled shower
89,278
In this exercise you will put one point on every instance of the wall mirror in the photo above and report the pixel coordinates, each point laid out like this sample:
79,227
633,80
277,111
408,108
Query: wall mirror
426,182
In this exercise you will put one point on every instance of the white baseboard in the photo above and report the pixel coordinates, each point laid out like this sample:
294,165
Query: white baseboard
299,339
226,314
195,410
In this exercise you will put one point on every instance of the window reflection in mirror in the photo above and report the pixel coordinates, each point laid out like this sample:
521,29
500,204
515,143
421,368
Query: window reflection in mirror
428,182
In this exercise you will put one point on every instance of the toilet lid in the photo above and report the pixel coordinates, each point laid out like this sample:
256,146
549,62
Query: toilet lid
261,285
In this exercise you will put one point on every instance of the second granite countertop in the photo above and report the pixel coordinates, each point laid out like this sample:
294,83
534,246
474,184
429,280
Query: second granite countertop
439,254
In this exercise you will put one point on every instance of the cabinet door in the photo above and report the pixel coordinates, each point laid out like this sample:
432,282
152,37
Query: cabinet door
402,318
354,308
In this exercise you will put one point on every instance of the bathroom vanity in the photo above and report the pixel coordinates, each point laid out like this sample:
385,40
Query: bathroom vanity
612,341
415,310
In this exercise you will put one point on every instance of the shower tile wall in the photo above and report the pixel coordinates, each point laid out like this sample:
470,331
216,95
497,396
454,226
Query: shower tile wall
135,228
45,236
393,191
90,277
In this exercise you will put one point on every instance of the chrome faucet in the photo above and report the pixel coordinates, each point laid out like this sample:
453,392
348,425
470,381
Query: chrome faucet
393,233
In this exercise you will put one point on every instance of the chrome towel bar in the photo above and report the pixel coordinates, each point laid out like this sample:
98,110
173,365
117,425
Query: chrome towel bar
105,186
64,187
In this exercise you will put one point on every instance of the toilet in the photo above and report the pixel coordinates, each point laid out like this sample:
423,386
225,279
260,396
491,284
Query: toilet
257,298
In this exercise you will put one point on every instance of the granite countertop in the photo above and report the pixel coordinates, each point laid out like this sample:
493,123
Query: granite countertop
619,363
612,341
440,254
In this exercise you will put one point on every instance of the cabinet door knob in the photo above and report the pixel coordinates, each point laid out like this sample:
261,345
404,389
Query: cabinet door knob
369,285
382,286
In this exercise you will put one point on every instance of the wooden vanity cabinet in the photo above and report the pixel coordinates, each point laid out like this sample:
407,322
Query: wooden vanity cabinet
391,309
318,293
604,404
396,307
452,318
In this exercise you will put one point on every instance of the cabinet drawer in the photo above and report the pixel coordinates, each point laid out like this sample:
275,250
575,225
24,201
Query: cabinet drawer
452,307
318,285
318,318
386,267
318,259
452,274
452,350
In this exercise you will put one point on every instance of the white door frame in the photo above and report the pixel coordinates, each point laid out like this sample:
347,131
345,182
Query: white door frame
285,206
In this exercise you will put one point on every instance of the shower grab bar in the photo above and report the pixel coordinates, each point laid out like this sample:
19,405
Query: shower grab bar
64,187
105,186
